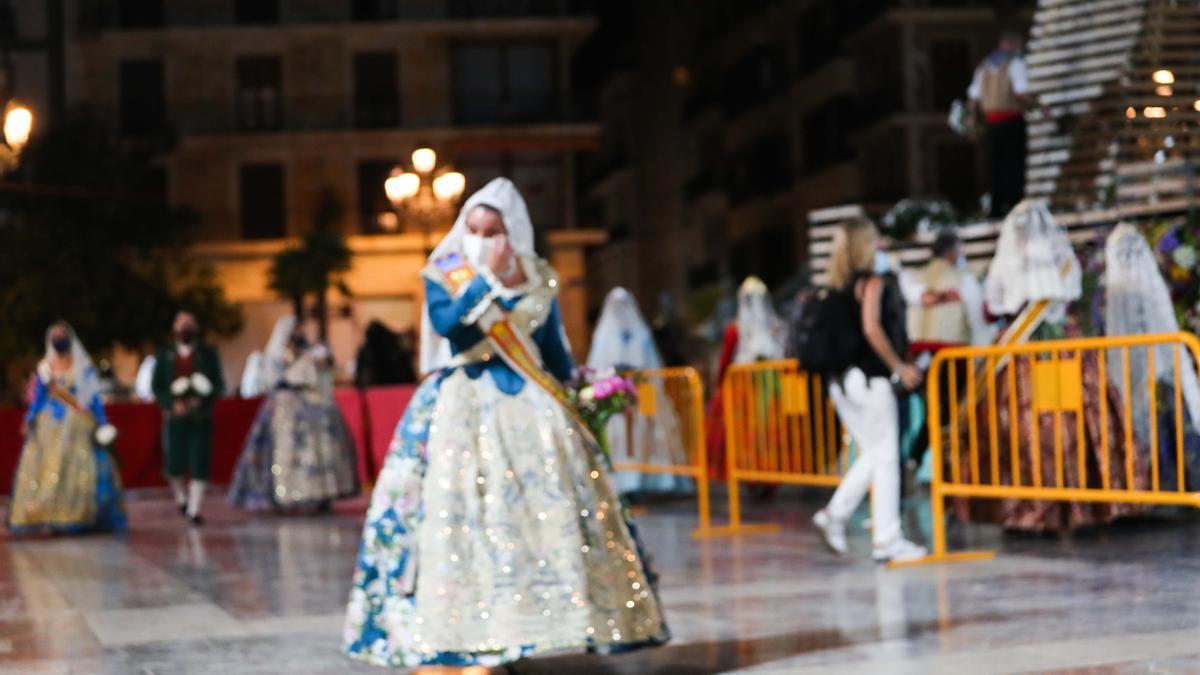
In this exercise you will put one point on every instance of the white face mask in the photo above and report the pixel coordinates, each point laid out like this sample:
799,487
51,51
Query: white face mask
476,249
961,262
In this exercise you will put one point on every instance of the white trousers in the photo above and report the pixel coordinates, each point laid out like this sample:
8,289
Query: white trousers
867,409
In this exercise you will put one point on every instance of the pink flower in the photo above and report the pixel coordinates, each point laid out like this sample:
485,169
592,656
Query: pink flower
603,389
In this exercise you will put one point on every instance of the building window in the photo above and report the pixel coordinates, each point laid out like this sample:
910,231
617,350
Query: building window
375,10
537,173
373,204
142,98
264,214
256,11
755,78
951,71
376,90
259,94
140,13
826,134
956,174
504,83
761,168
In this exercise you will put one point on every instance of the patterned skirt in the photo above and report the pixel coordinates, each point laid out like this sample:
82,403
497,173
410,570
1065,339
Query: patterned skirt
65,484
299,452
494,532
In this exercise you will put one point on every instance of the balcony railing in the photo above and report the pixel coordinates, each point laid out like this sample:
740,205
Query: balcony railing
265,115
106,15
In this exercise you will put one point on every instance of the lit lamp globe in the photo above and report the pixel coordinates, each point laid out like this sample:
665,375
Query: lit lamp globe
401,186
424,160
449,186
18,124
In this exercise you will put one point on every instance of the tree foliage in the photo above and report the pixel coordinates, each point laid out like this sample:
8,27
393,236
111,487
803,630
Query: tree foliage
316,265
86,235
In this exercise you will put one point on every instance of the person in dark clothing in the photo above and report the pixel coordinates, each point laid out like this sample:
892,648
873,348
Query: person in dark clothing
382,360
1000,92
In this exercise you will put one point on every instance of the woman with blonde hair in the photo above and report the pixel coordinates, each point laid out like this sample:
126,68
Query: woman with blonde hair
865,398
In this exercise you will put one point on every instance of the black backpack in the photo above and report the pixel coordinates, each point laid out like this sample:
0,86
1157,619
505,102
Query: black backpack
827,336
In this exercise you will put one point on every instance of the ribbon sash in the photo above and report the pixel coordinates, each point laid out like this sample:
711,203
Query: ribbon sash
511,344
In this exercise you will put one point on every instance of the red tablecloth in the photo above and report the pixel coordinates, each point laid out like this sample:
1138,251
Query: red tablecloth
384,407
371,417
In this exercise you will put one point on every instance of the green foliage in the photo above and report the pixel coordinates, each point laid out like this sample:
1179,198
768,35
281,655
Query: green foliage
317,264
86,236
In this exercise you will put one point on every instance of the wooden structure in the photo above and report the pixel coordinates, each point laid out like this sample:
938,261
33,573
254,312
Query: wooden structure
1118,81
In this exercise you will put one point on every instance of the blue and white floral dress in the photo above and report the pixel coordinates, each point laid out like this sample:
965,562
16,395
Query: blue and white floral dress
494,531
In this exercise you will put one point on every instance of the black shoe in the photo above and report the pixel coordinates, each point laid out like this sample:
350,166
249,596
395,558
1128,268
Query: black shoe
196,520
183,510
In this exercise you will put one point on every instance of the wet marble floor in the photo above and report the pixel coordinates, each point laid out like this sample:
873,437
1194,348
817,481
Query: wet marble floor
265,595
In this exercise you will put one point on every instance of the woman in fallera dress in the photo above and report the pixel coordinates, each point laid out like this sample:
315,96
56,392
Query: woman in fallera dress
623,341
494,531
66,482
299,452
1035,262
758,334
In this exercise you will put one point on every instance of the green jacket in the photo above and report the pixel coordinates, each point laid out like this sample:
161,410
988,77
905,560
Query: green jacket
207,362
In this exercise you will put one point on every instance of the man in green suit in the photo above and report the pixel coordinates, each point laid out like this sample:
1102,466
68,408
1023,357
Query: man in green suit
187,380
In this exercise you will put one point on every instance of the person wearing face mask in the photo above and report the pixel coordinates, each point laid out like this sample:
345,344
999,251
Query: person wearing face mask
298,453
187,381
66,480
495,531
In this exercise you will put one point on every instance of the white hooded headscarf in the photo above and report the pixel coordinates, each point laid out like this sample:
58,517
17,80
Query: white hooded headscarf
1034,261
83,370
274,358
1137,302
502,195
622,337
761,332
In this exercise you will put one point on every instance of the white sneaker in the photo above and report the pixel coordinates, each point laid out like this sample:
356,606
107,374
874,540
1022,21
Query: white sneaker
832,531
901,550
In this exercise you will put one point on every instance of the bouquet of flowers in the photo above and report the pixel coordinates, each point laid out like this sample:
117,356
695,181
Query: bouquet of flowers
189,392
918,216
598,396
1176,247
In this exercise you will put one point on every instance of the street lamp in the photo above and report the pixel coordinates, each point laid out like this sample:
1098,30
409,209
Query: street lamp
18,124
424,198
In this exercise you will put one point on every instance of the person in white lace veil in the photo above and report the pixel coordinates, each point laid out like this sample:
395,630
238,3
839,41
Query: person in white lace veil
761,332
275,354
1137,302
623,340
1033,261
252,376
299,453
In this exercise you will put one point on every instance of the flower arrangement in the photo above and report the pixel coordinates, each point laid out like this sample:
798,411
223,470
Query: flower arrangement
918,216
598,396
1175,245
195,386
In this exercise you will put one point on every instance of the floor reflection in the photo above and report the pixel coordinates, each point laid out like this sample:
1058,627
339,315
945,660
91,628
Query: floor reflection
266,594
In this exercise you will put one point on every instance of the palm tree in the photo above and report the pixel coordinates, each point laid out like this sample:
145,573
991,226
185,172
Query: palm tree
317,264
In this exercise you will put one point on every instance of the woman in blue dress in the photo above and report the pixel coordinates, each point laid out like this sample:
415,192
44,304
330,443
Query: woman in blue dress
494,531
66,481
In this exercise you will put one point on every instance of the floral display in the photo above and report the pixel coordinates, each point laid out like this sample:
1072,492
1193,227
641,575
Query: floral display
918,216
599,395
1175,247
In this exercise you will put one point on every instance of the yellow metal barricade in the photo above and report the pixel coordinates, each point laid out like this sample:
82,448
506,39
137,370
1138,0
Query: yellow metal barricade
1084,425
670,402
780,427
